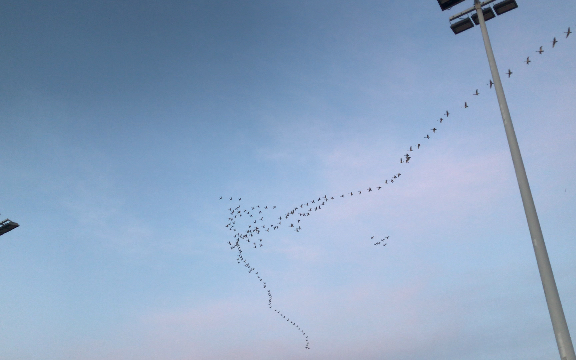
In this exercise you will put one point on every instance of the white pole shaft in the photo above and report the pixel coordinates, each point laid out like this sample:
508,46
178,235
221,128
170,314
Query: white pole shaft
559,324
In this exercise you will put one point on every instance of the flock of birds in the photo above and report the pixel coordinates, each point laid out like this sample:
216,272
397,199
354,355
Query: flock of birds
254,216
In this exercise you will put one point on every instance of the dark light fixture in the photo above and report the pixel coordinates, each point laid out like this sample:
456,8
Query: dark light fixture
7,225
505,6
447,4
488,14
462,25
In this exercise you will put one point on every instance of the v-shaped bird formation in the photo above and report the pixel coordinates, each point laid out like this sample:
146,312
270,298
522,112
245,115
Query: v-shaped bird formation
255,223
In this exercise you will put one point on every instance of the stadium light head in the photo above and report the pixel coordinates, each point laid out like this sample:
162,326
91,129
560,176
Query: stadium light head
447,4
462,25
488,14
7,225
505,6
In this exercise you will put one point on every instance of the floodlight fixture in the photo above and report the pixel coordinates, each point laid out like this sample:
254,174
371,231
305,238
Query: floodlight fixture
7,225
488,14
447,4
462,25
505,6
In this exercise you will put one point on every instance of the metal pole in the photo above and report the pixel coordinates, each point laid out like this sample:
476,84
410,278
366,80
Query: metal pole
559,325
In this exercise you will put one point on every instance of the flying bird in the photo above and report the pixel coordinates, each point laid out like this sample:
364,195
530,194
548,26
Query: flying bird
447,113
441,120
491,83
465,105
509,73
427,137
528,60
568,32
540,51
554,42
433,130
476,93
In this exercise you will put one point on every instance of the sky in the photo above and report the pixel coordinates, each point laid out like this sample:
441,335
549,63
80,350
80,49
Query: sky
125,122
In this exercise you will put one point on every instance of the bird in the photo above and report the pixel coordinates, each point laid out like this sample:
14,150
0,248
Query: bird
410,148
491,83
441,120
554,42
509,73
433,130
540,51
528,60
447,113
220,197
568,32
427,137
418,146
465,105
401,161
476,93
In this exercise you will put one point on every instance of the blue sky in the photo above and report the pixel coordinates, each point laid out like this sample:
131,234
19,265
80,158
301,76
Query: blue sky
125,122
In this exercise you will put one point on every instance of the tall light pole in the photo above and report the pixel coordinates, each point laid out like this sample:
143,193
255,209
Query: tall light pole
559,324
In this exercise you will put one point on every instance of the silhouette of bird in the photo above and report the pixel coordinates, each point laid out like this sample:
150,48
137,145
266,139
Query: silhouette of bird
476,93
509,73
554,42
441,120
447,113
491,83
418,146
427,137
220,197
540,51
568,32
528,60
433,130
465,105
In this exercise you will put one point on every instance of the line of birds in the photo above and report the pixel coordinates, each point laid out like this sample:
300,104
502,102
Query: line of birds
254,216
